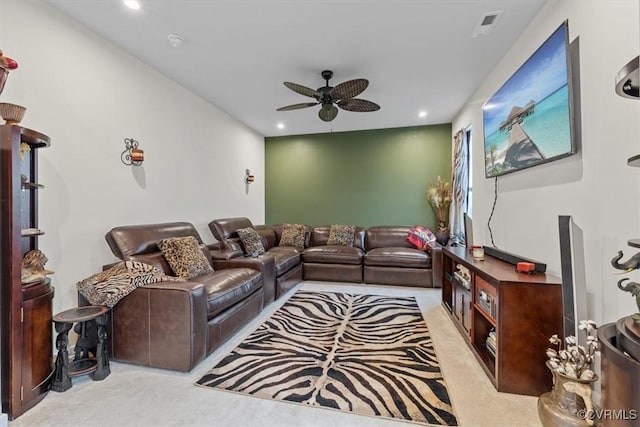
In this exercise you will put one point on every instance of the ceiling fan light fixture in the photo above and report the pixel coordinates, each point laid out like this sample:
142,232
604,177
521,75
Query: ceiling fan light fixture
342,95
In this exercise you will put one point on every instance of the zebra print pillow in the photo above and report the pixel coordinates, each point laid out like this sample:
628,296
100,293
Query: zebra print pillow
110,286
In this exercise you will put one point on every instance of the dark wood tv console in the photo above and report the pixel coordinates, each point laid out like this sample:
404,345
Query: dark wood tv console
521,311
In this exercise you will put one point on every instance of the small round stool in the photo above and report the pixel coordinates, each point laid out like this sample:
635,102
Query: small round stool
83,363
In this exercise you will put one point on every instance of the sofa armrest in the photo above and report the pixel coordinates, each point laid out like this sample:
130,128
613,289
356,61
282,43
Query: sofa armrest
435,250
162,325
265,264
215,246
225,254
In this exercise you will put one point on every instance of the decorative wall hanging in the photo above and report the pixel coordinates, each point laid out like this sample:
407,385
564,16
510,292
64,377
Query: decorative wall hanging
132,155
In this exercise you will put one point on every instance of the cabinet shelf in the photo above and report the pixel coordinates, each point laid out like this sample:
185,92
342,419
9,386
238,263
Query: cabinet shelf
634,161
32,186
31,232
628,80
634,243
31,137
484,314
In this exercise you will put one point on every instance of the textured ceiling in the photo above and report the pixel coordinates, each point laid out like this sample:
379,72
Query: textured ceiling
416,54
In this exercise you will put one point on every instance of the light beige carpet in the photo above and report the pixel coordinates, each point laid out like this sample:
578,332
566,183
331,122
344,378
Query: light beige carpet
137,396
367,354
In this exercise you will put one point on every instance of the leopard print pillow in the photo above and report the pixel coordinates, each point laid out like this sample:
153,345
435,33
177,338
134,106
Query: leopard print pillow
341,235
110,286
251,241
293,235
185,256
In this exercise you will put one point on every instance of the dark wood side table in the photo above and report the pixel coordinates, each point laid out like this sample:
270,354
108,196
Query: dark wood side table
87,360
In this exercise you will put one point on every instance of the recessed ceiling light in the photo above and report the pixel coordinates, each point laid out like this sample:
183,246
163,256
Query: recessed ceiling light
422,114
280,125
132,4
175,40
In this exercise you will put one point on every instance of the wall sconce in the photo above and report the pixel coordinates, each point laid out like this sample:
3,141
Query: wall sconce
248,178
132,155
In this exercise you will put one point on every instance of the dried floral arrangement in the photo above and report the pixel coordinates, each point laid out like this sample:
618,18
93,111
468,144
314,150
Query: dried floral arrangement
574,360
439,196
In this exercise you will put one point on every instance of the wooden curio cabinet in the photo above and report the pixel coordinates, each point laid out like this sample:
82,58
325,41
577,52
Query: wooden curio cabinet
25,309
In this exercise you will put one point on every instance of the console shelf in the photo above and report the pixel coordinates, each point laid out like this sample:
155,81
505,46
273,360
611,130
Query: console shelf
523,309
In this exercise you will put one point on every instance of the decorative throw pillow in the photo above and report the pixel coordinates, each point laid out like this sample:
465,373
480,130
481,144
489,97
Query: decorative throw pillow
110,286
293,235
185,256
251,241
420,236
341,235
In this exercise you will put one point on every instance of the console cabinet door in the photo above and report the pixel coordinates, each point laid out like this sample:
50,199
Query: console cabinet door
37,347
466,311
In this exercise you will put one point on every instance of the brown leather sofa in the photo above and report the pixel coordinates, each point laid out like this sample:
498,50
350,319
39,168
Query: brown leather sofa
379,255
331,262
280,265
174,325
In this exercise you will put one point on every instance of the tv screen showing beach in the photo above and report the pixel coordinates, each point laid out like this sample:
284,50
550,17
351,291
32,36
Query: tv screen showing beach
528,120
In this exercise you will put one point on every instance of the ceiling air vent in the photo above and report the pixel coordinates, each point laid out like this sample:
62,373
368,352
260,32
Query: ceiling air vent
487,23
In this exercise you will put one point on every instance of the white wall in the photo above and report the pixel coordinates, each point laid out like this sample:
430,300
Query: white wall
595,186
89,95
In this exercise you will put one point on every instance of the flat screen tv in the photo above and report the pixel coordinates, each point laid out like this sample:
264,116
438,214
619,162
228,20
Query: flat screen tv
529,121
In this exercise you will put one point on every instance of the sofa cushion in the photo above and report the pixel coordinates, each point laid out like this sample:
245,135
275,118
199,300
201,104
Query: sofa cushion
398,257
333,255
293,235
185,256
341,235
387,236
225,288
285,258
251,241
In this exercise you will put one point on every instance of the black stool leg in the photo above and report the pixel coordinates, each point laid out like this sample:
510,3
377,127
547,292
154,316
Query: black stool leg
61,380
102,358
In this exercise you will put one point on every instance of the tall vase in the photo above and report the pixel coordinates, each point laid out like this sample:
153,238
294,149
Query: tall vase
442,234
568,403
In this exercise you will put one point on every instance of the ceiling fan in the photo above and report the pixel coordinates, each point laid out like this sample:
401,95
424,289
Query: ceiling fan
343,95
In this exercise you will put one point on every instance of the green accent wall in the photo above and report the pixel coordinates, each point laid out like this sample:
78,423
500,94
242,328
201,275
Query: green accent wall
372,177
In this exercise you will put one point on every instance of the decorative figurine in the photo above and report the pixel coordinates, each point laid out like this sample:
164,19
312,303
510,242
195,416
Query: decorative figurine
634,288
33,266
632,263
6,64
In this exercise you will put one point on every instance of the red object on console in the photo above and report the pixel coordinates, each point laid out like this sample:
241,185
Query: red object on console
526,267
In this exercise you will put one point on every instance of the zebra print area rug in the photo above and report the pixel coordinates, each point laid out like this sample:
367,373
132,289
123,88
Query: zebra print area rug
366,354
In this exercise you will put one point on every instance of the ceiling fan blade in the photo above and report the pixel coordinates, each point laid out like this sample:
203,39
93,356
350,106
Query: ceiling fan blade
328,113
297,106
303,90
358,105
349,89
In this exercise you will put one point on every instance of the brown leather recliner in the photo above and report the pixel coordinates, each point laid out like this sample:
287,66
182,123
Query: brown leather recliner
174,325
280,265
